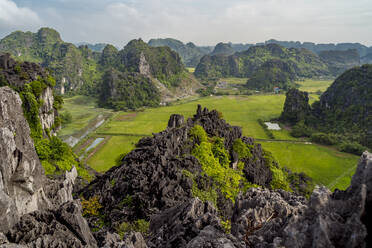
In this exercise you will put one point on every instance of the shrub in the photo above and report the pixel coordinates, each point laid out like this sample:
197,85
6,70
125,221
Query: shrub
323,138
300,130
198,134
205,92
48,167
226,225
66,118
220,153
37,88
352,147
43,150
209,194
58,102
242,149
139,225
279,176
91,206
227,178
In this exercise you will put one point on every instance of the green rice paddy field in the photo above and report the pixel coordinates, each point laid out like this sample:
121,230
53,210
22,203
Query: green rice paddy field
324,164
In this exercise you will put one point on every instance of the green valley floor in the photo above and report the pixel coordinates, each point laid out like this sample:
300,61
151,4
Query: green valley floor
122,130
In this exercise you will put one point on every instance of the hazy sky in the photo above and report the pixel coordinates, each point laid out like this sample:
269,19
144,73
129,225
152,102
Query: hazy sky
204,22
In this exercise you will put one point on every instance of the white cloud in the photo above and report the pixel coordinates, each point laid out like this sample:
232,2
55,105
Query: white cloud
201,21
13,16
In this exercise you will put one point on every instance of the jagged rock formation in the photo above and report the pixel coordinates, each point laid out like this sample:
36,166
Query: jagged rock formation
34,211
63,227
153,171
260,214
21,174
340,61
197,225
158,182
152,179
296,106
341,219
244,64
15,74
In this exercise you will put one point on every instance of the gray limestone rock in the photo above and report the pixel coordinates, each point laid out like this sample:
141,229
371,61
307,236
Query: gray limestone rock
21,174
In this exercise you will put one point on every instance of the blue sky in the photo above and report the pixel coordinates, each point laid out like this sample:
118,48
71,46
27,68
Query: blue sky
204,22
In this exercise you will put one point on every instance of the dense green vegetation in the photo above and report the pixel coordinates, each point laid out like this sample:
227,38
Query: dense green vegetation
223,49
273,73
123,91
75,69
133,75
189,53
339,61
244,64
342,113
55,156
317,48
215,162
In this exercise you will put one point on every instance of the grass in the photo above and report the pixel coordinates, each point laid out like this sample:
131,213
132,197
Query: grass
237,110
83,110
235,81
312,86
324,164
104,159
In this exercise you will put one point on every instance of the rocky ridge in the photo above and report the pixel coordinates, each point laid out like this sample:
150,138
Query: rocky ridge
35,211
16,75
150,183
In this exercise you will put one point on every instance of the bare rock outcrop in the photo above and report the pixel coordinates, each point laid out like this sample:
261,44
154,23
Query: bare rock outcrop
341,219
34,211
63,227
191,224
260,214
21,174
17,74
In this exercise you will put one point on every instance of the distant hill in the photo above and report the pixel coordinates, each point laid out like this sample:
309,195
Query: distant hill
75,69
98,47
317,48
366,59
244,64
273,73
346,106
344,110
189,52
339,61
223,49
141,75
